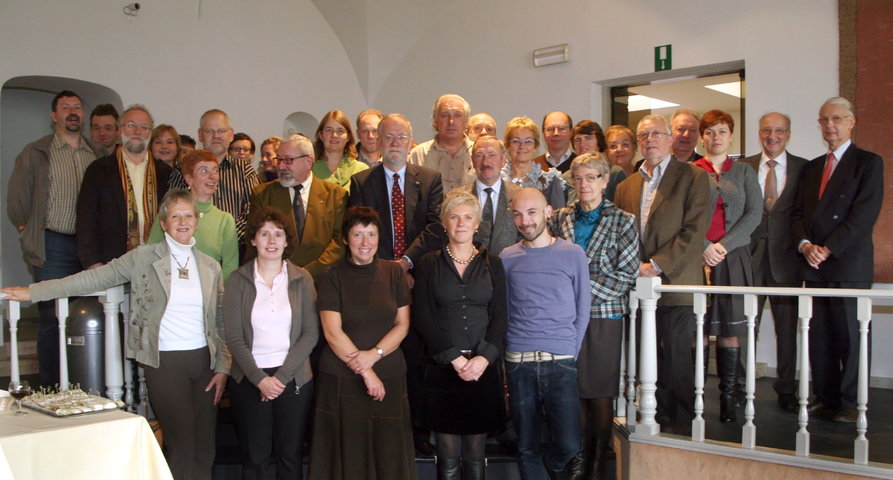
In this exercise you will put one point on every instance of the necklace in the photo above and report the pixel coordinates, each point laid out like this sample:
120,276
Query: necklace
182,271
474,253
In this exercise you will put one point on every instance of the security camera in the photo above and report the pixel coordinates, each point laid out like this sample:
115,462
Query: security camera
132,9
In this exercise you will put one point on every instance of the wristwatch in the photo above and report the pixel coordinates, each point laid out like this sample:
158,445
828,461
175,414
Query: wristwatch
379,351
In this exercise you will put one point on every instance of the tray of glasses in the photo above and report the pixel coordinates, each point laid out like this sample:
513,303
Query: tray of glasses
68,403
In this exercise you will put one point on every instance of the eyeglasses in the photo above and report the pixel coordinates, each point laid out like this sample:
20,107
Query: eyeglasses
559,128
835,119
291,160
588,178
336,131
770,131
401,139
219,132
241,149
526,141
654,135
134,126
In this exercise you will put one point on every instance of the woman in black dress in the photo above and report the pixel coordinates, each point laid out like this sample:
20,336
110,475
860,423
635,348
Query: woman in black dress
361,427
460,313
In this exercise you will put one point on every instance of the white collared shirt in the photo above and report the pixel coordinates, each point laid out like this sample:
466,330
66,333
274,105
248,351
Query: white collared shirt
137,174
551,160
781,171
649,188
482,195
838,155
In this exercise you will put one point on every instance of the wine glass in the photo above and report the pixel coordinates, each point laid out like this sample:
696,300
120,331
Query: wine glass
19,390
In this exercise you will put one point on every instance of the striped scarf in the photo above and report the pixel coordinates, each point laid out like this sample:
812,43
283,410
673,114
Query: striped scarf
150,201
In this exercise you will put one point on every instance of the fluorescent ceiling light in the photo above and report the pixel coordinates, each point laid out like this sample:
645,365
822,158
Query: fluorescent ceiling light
731,88
641,102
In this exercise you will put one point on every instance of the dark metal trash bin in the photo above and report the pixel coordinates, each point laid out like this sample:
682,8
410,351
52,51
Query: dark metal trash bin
86,345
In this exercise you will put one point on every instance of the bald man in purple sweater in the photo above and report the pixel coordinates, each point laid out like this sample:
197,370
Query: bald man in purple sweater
548,301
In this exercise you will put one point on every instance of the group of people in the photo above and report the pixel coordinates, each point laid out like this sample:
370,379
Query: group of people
397,290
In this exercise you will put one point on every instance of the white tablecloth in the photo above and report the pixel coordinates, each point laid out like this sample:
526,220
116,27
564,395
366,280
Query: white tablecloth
111,444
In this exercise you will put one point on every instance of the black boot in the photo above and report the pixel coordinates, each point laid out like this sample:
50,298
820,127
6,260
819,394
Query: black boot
473,469
727,368
576,468
448,468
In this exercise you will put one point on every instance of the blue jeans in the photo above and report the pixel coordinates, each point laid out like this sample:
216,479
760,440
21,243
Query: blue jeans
545,392
61,261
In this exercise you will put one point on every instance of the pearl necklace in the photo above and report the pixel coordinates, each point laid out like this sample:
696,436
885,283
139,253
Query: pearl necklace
474,253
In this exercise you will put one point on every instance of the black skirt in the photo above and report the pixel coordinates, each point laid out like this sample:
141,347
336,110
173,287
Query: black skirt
725,315
598,365
452,405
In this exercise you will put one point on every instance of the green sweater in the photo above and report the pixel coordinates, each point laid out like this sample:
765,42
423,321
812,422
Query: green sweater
341,176
215,236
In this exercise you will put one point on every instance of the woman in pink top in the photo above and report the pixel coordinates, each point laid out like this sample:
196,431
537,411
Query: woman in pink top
271,328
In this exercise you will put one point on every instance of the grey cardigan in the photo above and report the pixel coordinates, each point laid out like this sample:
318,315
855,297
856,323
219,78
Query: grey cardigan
148,269
303,336
743,201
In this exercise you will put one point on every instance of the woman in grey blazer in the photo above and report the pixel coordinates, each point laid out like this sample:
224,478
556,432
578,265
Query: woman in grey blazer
176,330
736,201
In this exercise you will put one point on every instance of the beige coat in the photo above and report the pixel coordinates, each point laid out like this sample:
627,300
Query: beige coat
148,270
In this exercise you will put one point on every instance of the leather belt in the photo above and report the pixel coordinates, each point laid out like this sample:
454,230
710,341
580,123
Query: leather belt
537,356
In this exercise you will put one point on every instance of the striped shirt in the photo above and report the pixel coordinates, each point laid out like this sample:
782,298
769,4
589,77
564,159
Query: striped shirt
67,166
233,195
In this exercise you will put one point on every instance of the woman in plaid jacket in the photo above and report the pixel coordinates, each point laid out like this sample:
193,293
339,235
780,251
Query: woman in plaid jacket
610,239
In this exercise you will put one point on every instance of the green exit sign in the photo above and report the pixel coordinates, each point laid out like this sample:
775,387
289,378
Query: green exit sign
663,58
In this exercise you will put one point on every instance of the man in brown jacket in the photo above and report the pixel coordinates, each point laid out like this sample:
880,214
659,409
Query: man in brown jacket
671,202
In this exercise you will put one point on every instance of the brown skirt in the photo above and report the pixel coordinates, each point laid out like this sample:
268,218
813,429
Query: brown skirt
725,315
357,437
598,365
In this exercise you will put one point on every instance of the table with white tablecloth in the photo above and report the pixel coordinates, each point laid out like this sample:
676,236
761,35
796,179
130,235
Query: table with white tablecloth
112,444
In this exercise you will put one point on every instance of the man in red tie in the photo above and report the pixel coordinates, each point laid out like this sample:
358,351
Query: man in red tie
837,204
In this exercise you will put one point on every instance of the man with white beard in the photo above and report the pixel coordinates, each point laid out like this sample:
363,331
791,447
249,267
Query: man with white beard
121,194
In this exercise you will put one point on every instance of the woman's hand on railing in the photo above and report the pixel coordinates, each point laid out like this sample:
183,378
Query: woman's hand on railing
19,294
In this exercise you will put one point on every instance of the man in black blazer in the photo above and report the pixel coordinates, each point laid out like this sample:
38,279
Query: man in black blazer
107,224
497,229
422,193
775,262
838,201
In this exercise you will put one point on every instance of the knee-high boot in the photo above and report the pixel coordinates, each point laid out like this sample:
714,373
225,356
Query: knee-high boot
448,468
473,469
727,367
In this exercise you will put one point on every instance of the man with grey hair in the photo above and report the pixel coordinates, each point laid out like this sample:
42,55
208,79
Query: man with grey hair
684,126
775,261
314,207
671,200
557,131
367,134
40,201
449,152
838,202
121,194
480,125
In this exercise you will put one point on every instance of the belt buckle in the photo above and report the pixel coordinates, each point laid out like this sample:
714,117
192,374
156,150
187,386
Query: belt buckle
538,356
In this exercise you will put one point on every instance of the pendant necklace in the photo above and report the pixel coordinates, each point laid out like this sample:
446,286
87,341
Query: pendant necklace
182,271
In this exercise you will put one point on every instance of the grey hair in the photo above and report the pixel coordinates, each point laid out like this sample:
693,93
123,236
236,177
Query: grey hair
391,117
786,117
301,141
451,96
654,118
842,102
171,198
595,161
456,198
140,107
686,111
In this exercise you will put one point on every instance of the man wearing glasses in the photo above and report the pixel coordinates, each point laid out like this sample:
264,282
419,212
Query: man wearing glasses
671,201
557,133
237,176
838,202
314,207
121,194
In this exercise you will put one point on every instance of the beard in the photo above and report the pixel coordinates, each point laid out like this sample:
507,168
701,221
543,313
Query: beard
73,127
134,144
531,236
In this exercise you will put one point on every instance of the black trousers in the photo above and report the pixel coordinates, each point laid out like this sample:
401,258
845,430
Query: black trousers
675,368
273,429
834,346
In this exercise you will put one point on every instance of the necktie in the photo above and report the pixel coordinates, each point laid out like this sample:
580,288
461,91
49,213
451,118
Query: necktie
826,174
398,212
297,206
487,217
770,186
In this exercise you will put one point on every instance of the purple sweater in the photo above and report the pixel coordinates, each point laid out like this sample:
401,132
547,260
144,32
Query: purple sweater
548,297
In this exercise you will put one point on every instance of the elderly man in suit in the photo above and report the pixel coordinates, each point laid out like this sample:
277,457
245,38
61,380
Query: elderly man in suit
775,262
407,198
671,201
497,229
838,201
557,132
120,194
315,208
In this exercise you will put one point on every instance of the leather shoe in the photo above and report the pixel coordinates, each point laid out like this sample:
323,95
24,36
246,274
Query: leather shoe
846,415
820,409
788,402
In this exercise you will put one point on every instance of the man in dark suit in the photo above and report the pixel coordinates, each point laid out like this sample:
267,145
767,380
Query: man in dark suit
557,134
671,201
775,262
314,207
121,194
685,127
497,229
407,198
838,201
